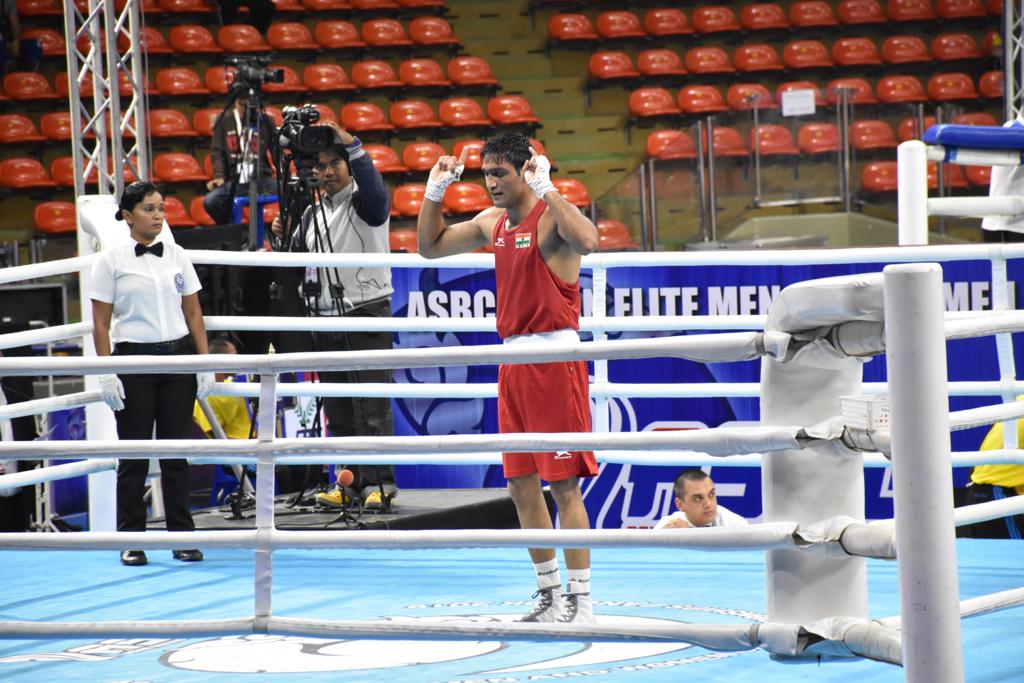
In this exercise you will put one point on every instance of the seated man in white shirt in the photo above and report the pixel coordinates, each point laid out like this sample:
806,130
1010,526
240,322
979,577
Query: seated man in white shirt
696,504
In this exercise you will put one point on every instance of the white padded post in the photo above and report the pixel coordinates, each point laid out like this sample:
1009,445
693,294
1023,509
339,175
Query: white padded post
912,199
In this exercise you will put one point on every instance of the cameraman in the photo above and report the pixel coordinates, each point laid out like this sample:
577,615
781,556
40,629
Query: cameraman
236,134
351,215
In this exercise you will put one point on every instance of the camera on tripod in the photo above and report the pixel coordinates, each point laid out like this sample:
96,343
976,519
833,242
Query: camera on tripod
252,72
300,134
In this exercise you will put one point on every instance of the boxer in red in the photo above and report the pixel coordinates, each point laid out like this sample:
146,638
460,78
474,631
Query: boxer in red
538,239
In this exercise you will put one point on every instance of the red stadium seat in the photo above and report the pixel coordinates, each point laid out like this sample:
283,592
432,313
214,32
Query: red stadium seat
991,84
241,38
611,64
905,50
326,78
812,13
708,60
54,218
960,9
909,130
374,73
326,113
432,31
184,6
715,19
290,35
645,102
614,24
909,10
763,16
953,176
290,83
337,34
409,4
176,215
56,125
16,128
408,198
951,86
179,81
757,57
855,52
385,159
326,5
62,170
28,85
24,173
992,44
701,99
879,176
203,120
384,33
403,240
667,21
819,97
979,176
861,91
995,7
567,27
614,236
218,79
670,144
409,114
818,138
177,167
893,89
465,197
468,70
364,116
951,46
169,123
475,147
422,73
193,39
872,134
773,140
806,54
660,62
421,156
746,96
37,8
51,42
978,118
151,42
510,109
853,12
374,5
456,112
727,142
574,191
198,212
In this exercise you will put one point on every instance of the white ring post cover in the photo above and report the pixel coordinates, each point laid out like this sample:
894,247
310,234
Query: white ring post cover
806,486
922,478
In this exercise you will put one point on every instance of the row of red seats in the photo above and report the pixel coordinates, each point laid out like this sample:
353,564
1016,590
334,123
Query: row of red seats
881,176
813,137
54,8
462,72
622,24
707,99
797,54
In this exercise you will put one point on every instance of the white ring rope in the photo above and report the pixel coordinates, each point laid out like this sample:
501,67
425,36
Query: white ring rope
56,472
50,404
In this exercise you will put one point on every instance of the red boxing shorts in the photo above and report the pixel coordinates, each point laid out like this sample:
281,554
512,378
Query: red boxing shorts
547,398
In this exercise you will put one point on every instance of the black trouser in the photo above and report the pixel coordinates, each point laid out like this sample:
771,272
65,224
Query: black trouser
167,402
360,415
1007,527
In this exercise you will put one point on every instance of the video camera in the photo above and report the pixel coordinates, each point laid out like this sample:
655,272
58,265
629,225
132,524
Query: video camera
300,134
252,72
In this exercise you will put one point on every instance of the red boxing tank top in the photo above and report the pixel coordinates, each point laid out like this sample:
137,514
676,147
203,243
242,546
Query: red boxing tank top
530,297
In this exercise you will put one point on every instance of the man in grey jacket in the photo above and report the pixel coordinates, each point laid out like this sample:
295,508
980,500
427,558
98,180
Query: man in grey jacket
351,216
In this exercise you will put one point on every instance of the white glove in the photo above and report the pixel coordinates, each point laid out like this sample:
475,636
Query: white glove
537,174
113,391
446,171
204,384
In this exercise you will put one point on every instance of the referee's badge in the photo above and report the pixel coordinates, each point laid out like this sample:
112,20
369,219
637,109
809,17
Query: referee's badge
179,282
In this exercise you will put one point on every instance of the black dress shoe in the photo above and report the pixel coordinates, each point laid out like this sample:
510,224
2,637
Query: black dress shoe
188,555
133,558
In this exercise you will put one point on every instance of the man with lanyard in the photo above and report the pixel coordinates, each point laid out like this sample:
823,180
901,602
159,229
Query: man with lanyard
538,239
238,138
351,216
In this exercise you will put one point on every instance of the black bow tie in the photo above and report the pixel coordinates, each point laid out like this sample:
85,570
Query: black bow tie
156,249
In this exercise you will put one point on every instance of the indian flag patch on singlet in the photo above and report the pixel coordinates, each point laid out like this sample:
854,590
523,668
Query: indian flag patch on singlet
522,241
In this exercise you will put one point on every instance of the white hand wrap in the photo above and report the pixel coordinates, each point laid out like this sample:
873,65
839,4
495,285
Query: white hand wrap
435,188
541,183
204,384
113,391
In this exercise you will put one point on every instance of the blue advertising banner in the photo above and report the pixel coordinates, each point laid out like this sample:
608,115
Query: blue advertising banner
637,496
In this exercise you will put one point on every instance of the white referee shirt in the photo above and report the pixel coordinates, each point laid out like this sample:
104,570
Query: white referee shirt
146,292
723,517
